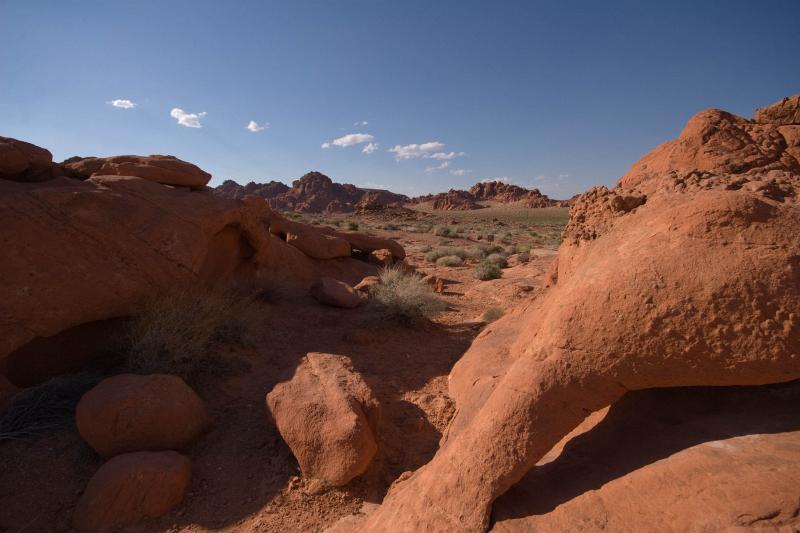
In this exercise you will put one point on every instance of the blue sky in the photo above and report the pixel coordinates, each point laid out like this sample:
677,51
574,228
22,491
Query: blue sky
559,95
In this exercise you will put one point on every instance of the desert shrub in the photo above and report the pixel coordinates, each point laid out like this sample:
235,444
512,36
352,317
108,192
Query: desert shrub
391,227
492,314
45,408
475,252
524,257
523,247
510,250
434,255
486,271
498,260
450,261
178,333
442,231
425,248
404,297
352,225
414,229
479,237
490,237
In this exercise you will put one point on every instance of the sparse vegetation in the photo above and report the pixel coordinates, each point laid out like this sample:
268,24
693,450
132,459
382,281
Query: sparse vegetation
485,271
404,297
442,231
497,259
492,314
524,257
353,225
434,255
45,408
450,261
177,333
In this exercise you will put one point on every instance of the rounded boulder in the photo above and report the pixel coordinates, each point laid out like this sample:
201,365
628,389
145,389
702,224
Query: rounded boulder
131,412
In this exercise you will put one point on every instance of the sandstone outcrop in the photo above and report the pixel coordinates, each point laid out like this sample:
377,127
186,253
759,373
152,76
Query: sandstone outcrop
120,241
329,291
691,278
22,161
329,418
454,200
309,240
785,111
234,191
164,169
133,487
489,191
131,413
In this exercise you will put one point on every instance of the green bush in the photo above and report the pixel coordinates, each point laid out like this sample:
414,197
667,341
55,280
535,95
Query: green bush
442,231
450,261
353,226
404,297
486,271
498,260
443,251
524,257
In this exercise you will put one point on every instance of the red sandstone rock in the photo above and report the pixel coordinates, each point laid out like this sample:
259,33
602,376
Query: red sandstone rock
129,412
785,111
365,284
234,191
329,418
22,161
164,169
691,278
309,240
329,291
133,487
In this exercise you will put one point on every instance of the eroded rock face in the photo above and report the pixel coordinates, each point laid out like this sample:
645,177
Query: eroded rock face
455,200
329,291
133,487
120,241
785,111
130,412
234,191
164,169
310,241
686,273
329,418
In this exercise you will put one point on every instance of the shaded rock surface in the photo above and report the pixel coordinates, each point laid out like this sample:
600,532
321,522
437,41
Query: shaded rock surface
234,191
328,416
23,161
692,278
329,291
133,487
129,412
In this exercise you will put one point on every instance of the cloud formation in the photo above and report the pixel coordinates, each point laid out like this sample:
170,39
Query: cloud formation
459,171
442,166
352,139
428,150
123,103
360,123
446,155
370,147
255,128
190,120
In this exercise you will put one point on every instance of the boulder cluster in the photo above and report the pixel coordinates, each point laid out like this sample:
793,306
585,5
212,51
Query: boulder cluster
484,191
686,273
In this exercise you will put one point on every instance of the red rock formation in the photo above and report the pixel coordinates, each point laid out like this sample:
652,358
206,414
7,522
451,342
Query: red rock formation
329,291
495,191
22,161
131,413
454,200
785,111
328,416
315,193
687,273
164,169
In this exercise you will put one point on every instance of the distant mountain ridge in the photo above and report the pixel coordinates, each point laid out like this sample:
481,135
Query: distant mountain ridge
497,191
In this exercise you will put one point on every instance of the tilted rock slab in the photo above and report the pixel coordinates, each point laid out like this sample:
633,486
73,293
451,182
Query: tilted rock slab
694,282
164,169
329,417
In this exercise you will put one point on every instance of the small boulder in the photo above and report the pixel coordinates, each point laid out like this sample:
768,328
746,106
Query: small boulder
328,416
329,291
435,282
130,412
381,257
133,487
365,284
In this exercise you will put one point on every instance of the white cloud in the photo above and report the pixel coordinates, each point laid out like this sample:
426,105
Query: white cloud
352,139
413,151
190,120
361,123
123,103
446,155
502,179
442,166
254,127
370,147
459,171
325,145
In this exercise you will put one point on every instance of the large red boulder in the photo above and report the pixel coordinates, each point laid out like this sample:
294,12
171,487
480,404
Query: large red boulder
164,169
328,416
309,240
22,161
329,291
130,412
133,487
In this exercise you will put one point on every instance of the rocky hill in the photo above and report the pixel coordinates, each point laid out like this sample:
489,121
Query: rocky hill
486,191
314,193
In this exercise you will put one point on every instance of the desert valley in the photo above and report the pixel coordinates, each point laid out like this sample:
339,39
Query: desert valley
377,267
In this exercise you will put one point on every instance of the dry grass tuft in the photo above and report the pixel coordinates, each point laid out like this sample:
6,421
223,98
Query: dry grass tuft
485,271
404,297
